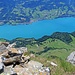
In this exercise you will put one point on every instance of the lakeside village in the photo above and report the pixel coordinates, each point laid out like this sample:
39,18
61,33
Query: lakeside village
14,62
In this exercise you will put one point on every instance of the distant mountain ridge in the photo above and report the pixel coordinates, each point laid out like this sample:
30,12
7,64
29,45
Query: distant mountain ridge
28,11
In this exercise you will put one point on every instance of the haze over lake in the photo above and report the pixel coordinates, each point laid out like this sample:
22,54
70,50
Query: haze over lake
38,29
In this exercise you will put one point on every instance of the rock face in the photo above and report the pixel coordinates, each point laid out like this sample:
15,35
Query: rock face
71,58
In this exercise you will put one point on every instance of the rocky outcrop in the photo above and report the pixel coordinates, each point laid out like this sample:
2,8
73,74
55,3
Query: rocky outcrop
71,58
13,62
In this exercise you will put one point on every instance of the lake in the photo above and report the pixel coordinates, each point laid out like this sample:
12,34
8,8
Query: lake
38,29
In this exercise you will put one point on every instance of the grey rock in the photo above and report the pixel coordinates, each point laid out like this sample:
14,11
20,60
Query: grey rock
35,64
71,58
22,49
2,47
9,70
1,67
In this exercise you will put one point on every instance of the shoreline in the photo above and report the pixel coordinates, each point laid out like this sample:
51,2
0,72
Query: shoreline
33,21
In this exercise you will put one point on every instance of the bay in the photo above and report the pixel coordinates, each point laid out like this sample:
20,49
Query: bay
38,29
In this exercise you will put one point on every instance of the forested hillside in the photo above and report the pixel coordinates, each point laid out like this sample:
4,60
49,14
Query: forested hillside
28,11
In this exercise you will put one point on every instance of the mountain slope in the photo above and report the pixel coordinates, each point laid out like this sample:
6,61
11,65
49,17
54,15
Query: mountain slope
51,48
28,11
57,41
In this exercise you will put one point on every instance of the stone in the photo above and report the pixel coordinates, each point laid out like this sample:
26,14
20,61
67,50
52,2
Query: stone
2,48
13,50
12,60
13,74
0,59
22,49
71,58
35,64
1,67
53,64
11,45
26,57
32,55
9,70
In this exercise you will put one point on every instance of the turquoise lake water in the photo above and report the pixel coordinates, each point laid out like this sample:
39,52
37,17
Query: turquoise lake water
38,29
